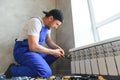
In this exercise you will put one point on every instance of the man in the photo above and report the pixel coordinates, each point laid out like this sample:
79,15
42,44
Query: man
33,58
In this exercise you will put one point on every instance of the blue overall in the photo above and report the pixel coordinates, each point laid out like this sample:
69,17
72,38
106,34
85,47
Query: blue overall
32,64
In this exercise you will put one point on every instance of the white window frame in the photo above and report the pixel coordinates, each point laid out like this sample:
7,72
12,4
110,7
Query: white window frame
95,25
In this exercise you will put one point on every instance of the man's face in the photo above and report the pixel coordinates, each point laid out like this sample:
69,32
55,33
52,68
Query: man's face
53,23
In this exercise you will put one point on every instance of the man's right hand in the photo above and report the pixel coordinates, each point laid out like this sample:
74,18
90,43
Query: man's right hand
57,53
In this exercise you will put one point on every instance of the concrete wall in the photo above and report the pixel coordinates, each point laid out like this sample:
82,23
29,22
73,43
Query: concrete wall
13,13
64,36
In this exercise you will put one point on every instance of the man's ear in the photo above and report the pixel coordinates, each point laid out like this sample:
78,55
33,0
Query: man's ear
51,18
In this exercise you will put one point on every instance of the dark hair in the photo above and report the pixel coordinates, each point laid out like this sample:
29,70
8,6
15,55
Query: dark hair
56,13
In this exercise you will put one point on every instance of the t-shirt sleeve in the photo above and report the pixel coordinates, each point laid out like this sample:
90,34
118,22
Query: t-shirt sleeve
34,27
49,32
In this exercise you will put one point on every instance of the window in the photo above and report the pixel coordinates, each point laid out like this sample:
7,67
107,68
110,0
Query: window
109,30
95,20
81,23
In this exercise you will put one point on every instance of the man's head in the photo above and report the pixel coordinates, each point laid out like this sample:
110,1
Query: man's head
56,13
54,18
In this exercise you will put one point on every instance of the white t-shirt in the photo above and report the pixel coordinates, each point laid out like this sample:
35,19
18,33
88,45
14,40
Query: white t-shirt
33,27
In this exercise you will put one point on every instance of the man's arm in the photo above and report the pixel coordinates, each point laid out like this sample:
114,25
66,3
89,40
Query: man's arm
33,43
52,44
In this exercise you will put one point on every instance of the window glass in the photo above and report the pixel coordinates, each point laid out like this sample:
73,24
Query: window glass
81,23
104,9
104,16
109,30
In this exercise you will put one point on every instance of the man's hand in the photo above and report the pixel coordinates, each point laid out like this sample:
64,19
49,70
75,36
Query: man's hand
58,53
62,53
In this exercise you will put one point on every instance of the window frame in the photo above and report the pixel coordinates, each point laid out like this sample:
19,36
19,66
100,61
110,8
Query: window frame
95,25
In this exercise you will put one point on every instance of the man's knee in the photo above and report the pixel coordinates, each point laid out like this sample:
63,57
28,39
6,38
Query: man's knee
45,73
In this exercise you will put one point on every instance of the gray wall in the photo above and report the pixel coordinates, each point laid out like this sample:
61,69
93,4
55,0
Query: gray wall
64,36
13,13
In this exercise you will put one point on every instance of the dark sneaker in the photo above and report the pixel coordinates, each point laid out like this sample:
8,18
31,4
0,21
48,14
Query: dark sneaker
7,72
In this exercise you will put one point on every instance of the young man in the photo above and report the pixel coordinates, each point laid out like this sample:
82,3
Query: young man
33,58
